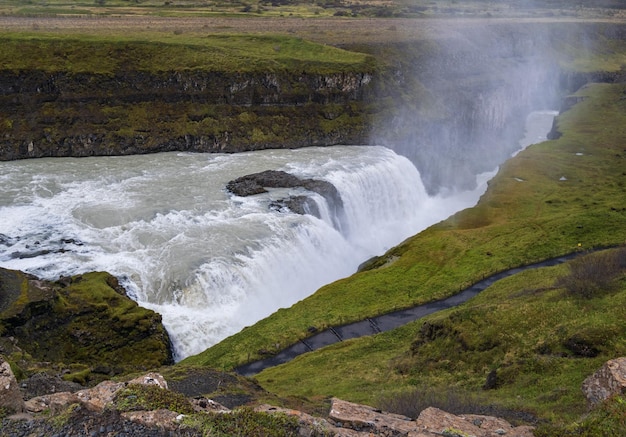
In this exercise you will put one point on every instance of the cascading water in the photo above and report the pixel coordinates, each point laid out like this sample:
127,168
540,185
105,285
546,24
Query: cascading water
211,263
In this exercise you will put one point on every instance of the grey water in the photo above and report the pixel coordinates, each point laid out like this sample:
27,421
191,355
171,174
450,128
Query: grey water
211,263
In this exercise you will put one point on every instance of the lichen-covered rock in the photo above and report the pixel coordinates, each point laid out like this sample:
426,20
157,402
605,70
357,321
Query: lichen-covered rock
607,381
10,395
436,422
162,419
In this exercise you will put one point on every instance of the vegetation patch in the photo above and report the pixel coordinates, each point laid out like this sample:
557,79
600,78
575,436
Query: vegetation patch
84,325
244,421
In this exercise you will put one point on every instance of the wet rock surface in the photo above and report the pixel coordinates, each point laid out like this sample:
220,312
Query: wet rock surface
258,183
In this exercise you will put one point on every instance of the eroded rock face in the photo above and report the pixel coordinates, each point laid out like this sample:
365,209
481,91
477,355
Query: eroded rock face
85,320
10,395
608,381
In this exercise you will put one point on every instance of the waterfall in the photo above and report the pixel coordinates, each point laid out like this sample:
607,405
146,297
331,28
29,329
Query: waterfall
211,263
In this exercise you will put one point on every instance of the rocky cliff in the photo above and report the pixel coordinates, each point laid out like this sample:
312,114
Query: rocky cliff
132,112
83,327
455,106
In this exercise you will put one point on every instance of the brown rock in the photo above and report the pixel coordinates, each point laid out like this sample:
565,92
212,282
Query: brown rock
54,402
10,395
164,419
365,418
608,381
98,397
436,422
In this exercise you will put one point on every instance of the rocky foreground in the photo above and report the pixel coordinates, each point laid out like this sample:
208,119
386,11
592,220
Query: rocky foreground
113,409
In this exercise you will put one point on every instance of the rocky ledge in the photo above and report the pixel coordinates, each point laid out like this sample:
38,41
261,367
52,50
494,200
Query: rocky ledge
149,406
82,327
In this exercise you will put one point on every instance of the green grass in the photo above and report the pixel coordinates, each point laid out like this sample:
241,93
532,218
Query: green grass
159,52
298,8
521,327
571,195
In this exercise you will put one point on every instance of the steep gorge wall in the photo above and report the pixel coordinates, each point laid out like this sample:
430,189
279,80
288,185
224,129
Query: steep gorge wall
62,114
458,102
454,104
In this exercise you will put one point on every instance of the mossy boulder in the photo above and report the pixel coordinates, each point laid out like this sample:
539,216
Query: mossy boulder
85,324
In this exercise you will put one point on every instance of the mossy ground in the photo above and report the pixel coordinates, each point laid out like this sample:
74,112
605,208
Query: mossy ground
82,326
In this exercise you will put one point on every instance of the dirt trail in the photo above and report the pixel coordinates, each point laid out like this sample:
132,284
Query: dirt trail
389,321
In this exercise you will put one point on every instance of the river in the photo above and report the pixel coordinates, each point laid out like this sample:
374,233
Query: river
211,263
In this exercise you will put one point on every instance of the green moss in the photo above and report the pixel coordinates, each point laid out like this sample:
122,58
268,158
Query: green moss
137,397
85,323
244,421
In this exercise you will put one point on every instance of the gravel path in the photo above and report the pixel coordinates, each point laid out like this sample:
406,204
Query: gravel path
386,322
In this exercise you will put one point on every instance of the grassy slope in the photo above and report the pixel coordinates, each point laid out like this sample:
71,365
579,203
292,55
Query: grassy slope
516,222
108,54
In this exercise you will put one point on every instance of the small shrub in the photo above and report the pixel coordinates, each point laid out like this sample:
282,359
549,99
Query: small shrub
244,422
594,274
411,403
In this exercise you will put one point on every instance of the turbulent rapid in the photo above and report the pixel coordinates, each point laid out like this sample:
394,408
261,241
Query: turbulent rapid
211,263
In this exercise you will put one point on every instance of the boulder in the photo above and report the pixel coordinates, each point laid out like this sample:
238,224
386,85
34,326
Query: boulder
85,320
53,402
10,395
162,419
368,419
607,381
257,183
436,422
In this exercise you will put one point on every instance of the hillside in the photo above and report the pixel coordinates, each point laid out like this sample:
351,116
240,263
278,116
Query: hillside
556,197
522,347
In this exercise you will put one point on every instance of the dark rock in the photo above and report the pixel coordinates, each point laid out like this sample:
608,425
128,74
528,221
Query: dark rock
41,384
298,204
257,183
492,380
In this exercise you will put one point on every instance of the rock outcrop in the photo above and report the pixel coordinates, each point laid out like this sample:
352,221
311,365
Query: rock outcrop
257,183
85,324
10,395
609,380
105,406
65,113
347,419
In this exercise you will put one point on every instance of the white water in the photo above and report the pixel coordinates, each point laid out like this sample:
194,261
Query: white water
208,262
